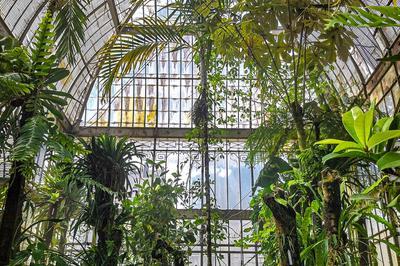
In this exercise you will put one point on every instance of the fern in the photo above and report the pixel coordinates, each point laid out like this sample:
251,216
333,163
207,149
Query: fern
32,136
41,55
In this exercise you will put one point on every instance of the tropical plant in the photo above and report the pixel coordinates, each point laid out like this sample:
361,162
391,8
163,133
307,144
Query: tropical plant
128,50
108,165
30,98
156,235
369,139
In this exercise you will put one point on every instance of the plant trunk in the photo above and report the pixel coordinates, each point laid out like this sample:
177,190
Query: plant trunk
285,220
12,215
49,230
297,114
106,232
333,208
206,162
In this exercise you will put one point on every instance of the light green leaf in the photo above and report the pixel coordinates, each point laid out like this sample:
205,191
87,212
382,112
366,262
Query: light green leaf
329,141
383,124
348,122
373,186
307,250
393,203
282,201
380,137
348,154
347,145
368,120
389,160
359,127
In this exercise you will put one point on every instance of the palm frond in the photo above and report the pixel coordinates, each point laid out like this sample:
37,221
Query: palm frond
371,16
128,51
70,28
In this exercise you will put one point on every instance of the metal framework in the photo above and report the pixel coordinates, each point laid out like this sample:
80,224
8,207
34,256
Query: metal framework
153,105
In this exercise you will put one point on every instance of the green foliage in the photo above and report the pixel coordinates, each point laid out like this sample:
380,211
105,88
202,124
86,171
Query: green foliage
370,16
70,25
128,51
270,173
369,139
36,254
157,237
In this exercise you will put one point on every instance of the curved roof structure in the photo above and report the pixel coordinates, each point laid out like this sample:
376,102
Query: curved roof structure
21,17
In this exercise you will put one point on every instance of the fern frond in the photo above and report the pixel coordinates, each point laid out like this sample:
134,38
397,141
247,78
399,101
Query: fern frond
32,136
41,54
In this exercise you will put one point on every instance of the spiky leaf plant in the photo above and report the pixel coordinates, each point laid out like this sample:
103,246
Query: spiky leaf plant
109,164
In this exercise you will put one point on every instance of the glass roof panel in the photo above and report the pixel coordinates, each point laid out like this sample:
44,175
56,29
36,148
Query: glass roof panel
22,17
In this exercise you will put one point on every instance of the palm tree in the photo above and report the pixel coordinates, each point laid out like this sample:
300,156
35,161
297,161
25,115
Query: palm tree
128,50
108,164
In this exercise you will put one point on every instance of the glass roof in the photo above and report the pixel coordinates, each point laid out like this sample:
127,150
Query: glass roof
22,18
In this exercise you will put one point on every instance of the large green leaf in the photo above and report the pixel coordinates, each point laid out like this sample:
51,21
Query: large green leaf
347,145
348,154
368,120
389,160
359,127
56,75
380,137
33,136
348,123
383,124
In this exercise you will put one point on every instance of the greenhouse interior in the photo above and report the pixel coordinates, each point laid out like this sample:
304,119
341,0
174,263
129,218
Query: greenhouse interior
200,132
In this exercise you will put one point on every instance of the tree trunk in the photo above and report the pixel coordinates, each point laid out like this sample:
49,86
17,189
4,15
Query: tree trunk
12,215
285,221
49,230
297,114
106,232
333,208
205,149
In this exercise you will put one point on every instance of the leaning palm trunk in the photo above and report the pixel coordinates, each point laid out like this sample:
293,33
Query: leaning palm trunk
285,221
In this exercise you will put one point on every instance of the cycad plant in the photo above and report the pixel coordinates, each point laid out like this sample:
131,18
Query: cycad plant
108,165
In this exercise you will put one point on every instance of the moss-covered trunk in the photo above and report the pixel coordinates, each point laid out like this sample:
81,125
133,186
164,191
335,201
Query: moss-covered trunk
332,208
106,231
285,220
297,115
